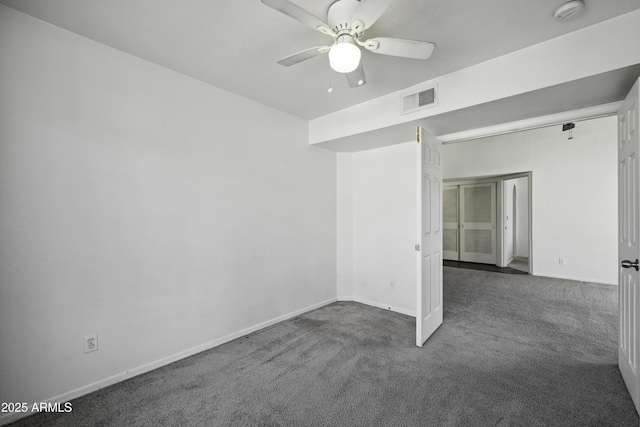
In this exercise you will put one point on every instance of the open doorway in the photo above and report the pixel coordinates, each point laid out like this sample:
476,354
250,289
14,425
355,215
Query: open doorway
515,247
487,221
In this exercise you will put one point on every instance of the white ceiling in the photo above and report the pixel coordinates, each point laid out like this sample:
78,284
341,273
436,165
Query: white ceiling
234,44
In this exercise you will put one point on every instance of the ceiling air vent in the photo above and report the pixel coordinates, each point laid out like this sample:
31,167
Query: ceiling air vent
419,100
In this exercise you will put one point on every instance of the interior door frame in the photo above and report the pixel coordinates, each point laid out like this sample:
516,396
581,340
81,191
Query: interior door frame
500,209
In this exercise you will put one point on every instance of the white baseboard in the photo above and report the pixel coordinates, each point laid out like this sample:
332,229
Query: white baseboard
90,388
577,279
379,305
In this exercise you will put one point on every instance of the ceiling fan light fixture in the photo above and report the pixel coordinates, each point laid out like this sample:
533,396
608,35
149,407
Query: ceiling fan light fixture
344,57
346,23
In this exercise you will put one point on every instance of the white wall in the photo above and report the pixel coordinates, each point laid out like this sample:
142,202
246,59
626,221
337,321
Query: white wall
344,230
383,226
162,213
574,191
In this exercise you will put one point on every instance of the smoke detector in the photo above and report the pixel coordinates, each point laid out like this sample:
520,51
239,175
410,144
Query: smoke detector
568,10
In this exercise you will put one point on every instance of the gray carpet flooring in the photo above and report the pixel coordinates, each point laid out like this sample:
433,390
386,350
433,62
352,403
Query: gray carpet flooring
514,350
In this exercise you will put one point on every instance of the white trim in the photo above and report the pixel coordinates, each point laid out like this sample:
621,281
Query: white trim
530,189
534,123
106,382
378,305
499,230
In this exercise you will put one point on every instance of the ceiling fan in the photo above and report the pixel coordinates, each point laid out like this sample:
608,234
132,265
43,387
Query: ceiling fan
346,22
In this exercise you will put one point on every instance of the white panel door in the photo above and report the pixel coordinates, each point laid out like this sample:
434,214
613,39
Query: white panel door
478,223
429,247
628,246
450,222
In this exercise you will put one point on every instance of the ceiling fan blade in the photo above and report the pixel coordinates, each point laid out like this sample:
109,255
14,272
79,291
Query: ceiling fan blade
369,11
398,47
303,56
299,14
357,78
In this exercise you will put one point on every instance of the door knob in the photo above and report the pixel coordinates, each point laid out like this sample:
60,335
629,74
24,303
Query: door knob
628,264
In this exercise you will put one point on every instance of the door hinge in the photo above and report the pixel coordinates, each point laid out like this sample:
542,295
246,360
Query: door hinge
417,248
418,135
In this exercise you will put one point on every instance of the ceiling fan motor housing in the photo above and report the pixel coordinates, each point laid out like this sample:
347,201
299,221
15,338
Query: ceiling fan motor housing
339,15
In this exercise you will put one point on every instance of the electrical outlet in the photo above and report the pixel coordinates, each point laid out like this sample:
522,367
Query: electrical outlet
90,342
392,284
561,261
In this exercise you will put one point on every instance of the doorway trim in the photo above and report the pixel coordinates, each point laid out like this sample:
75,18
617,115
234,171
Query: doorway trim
500,208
